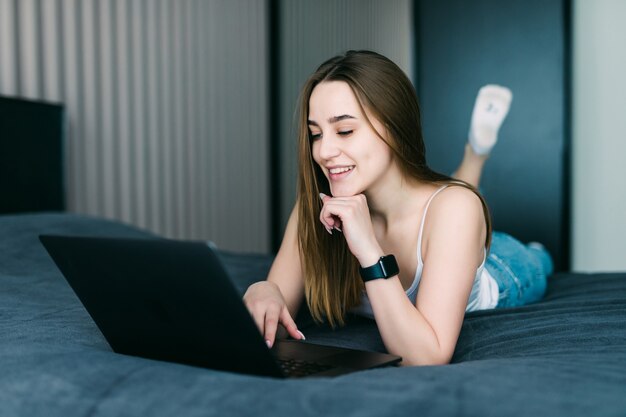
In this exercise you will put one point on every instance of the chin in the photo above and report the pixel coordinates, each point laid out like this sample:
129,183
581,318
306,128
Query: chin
343,192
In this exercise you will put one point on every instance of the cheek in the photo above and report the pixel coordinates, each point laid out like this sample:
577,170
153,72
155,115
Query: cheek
380,156
315,152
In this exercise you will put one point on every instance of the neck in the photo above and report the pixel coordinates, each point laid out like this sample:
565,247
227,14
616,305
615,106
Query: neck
394,198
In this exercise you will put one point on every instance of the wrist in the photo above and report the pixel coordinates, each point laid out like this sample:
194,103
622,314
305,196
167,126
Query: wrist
386,267
371,258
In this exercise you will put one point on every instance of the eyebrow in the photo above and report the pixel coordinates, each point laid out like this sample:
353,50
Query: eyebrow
333,119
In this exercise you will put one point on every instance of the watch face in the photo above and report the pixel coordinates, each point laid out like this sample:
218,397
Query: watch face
389,266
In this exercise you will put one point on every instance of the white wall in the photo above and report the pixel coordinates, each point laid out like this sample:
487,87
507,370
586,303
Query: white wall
599,135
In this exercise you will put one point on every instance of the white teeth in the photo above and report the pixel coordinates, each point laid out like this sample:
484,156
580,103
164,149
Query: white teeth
340,170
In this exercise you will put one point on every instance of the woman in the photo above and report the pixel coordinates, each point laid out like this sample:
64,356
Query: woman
372,222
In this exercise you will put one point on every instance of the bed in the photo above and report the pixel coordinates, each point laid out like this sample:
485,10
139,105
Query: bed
563,356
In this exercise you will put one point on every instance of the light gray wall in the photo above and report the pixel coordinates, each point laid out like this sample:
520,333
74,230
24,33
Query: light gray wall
599,135
168,108
314,31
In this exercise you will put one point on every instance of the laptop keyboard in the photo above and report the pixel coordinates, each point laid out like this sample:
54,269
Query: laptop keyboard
296,368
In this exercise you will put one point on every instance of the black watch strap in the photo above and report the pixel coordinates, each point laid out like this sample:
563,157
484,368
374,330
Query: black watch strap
386,267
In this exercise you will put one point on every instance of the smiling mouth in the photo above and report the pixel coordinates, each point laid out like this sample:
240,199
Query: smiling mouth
337,171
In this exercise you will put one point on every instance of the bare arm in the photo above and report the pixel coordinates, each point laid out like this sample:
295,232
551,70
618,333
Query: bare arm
277,300
453,248
286,271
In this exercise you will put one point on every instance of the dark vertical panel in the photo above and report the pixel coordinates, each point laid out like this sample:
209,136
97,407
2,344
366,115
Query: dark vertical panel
464,45
31,156
274,125
416,52
566,241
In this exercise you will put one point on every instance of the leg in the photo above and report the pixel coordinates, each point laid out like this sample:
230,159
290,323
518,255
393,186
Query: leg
490,109
521,271
471,167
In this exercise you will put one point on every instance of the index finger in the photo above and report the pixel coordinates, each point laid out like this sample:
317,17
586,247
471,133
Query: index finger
271,325
290,324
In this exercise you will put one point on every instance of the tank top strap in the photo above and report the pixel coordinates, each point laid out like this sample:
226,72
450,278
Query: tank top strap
419,236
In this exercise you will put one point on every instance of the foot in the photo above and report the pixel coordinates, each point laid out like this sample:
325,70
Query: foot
543,255
490,109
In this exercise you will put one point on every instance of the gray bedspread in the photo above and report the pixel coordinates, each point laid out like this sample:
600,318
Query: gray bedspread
564,356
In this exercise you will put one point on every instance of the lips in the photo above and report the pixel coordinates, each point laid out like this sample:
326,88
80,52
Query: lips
337,173
340,170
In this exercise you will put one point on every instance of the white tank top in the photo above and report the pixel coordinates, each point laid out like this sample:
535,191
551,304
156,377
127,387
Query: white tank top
484,294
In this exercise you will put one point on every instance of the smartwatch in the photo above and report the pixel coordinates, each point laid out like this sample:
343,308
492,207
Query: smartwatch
386,267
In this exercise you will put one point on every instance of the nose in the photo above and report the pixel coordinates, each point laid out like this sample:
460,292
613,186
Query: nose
328,147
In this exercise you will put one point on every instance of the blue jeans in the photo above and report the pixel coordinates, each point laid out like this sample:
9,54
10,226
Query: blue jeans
521,271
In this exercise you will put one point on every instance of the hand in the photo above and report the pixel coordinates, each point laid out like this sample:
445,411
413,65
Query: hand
268,308
351,216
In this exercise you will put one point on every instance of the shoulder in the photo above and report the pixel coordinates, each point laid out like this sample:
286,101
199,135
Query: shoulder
455,213
456,199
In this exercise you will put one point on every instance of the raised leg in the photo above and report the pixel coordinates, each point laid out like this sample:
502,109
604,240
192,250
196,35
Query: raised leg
471,167
490,109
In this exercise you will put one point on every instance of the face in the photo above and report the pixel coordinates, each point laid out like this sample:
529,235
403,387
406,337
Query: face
352,156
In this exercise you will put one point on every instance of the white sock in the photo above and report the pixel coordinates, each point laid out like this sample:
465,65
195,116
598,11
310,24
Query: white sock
490,109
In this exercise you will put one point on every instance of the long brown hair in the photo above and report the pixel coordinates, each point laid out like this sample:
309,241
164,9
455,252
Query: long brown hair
331,273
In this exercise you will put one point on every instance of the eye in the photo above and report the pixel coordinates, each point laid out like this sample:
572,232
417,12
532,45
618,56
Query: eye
315,136
345,133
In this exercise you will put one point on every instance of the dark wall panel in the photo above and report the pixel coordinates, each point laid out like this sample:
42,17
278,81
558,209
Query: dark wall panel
31,156
521,44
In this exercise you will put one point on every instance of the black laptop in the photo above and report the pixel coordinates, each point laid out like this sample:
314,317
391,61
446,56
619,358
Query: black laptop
173,301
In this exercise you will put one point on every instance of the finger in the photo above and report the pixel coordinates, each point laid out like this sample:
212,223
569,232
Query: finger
271,325
290,325
335,221
324,197
322,219
338,224
258,316
332,214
